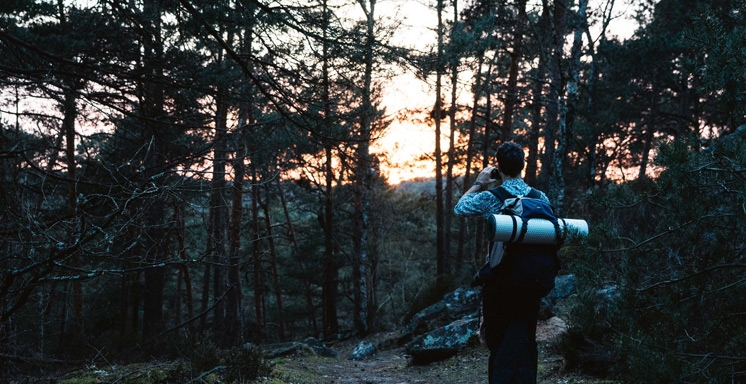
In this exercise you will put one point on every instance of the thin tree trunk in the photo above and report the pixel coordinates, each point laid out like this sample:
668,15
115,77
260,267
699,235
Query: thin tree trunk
184,269
648,135
70,112
538,100
566,106
511,97
441,256
273,266
218,210
301,265
206,282
256,255
68,126
469,156
155,243
480,249
555,119
448,209
363,176
606,18
234,326
330,290
330,284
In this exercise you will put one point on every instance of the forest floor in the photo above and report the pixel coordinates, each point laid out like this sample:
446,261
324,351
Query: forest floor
392,366
387,366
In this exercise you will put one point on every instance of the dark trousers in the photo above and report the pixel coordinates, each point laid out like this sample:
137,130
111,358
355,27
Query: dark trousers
510,317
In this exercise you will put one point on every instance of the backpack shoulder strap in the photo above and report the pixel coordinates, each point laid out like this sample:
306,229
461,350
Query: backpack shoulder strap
534,194
501,193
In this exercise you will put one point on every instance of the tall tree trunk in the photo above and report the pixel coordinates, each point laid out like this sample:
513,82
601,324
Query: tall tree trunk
480,245
448,208
537,119
234,326
649,133
184,274
273,265
477,90
330,286
441,252
566,105
155,243
538,100
256,256
68,126
593,73
572,102
363,175
218,210
206,282
511,97
555,133
301,265
70,113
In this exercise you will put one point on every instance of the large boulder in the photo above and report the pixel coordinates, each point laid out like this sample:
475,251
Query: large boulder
443,342
454,306
441,329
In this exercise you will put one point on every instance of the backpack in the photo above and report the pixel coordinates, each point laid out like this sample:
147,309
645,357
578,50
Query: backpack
514,262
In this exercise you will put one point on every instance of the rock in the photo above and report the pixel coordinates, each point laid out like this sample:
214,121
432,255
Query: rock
309,346
286,349
363,350
319,348
564,287
462,302
444,325
455,305
418,323
551,329
443,342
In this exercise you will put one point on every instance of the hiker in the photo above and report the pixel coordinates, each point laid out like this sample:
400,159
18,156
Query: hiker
509,312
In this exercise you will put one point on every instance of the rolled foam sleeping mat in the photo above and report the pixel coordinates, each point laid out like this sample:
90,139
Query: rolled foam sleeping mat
540,231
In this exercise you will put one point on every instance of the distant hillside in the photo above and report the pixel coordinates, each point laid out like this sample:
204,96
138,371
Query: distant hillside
423,185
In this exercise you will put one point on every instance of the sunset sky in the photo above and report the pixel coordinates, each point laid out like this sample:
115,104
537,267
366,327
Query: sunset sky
405,142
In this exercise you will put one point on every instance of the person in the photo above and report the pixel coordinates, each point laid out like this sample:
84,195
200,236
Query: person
509,313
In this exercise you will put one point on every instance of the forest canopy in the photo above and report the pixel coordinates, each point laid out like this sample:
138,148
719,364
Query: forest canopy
188,170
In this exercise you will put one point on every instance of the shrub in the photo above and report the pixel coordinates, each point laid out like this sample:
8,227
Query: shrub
673,251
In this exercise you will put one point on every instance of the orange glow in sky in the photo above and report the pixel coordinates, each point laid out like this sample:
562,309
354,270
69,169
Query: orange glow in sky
408,146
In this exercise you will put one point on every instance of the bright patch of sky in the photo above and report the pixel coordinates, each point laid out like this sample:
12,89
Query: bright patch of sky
408,146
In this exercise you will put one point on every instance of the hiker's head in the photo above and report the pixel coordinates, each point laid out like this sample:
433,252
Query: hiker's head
510,158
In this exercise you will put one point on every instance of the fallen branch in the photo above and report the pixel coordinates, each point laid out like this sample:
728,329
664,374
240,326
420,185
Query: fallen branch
680,279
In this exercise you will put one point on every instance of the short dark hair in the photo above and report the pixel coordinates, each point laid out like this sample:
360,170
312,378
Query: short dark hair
510,158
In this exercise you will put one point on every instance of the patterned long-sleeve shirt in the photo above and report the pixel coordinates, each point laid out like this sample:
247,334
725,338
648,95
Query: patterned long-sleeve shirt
485,203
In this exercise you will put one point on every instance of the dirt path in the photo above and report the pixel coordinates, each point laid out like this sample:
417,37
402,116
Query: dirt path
392,366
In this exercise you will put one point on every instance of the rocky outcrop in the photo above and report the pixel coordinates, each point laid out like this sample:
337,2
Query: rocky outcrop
442,329
443,342
455,305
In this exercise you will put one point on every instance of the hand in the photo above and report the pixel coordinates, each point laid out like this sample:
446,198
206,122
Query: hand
485,177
